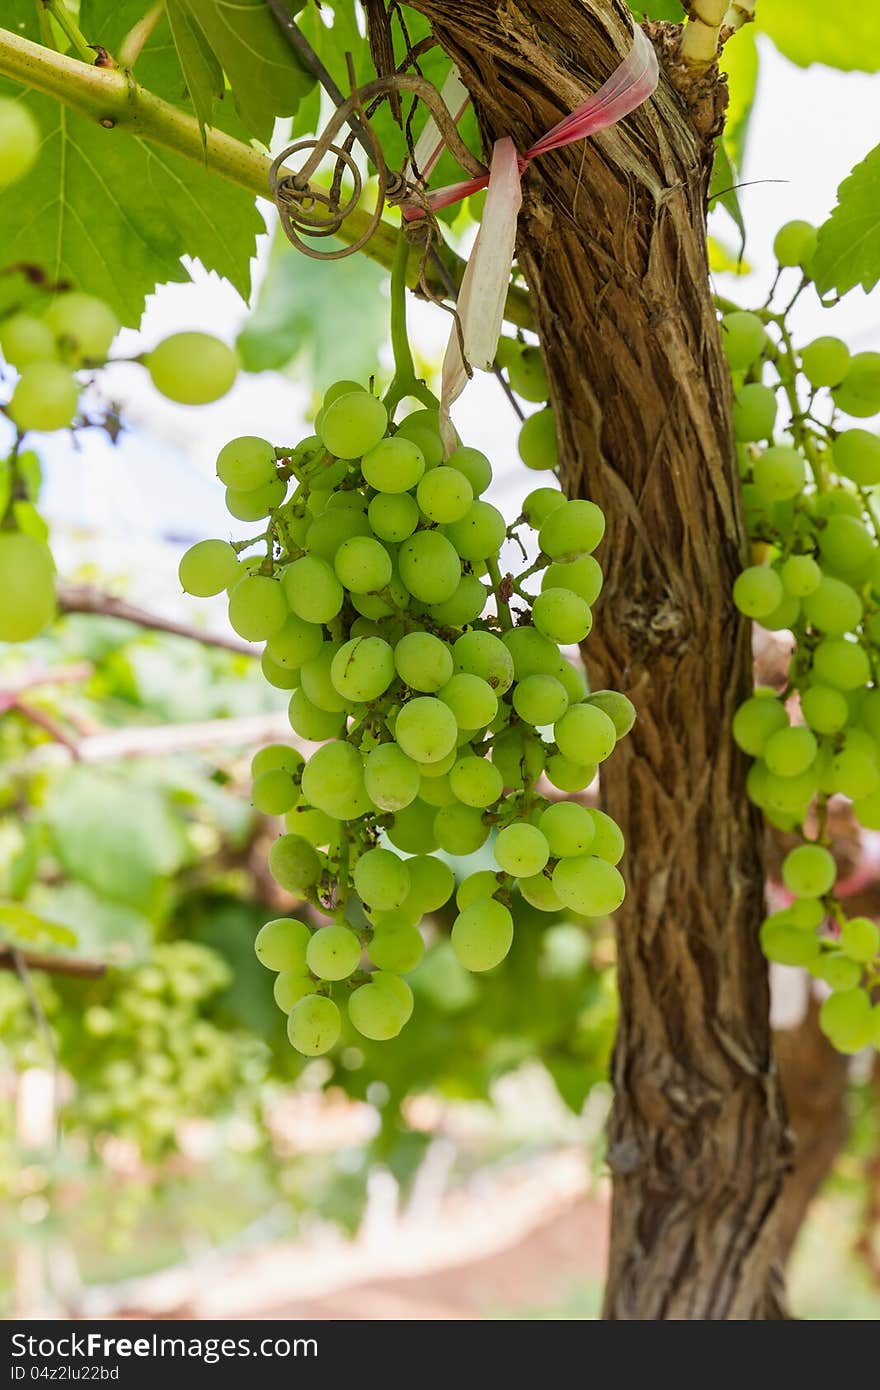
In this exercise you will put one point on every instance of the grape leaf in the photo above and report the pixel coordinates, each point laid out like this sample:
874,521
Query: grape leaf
103,930
263,71
20,926
848,253
106,210
202,71
813,31
722,189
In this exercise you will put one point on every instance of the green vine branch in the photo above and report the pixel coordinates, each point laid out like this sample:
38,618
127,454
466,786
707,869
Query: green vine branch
114,100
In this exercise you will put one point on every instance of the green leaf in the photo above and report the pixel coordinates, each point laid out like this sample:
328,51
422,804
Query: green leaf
203,73
722,189
848,253
21,927
660,9
739,60
330,315
119,841
265,77
103,930
843,36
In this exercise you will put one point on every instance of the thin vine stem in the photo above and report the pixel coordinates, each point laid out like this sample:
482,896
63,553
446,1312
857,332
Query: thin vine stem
404,382
68,26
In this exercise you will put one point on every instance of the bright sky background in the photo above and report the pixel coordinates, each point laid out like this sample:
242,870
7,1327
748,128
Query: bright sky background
118,507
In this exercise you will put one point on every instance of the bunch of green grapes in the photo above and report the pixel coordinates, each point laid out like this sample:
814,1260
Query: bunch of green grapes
143,1053
810,480
380,598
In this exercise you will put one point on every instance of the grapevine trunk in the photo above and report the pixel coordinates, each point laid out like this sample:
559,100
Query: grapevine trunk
612,244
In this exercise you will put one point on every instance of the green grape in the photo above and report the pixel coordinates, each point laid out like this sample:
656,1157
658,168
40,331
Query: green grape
539,892
317,682
314,1025
836,970
207,568
396,946
866,810
743,339
429,567
23,337
568,775
573,681
620,710
855,770
780,473
353,424
274,792
312,590
19,141
437,791
589,885
281,945
391,778
856,454
474,466
333,781
540,502
295,643
483,884
435,771
807,912
572,530
866,707
585,734
459,829
824,709
540,700
381,879
294,863
846,548
795,243
27,587
333,528
784,615
833,608
427,440
393,465
482,935
412,829
608,841
426,729
289,988
847,1019
809,871
484,655
398,988
836,501
527,376
393,515
432,883
313,825
363,668
257,608
253,506
800,575
786,943
583,577
825,361
480,533
568,828
45,398
859,392
84,325
476,782
841,664
465,605
791,795
757,591
375,1013
423,662
362,565
310,722
444,494
277,755
562,616
192,368
471,699
790,751
339,388
537,441
860,939
533,653
754,413
333,952
521,850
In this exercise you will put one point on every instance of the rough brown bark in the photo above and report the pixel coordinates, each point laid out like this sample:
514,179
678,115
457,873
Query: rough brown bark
612,244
